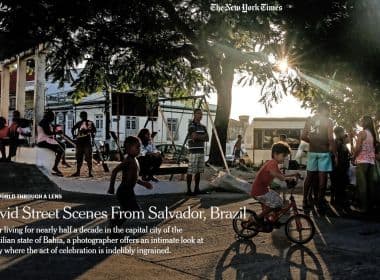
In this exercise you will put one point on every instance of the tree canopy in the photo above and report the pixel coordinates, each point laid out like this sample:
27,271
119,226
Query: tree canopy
337,43
164,46
176,46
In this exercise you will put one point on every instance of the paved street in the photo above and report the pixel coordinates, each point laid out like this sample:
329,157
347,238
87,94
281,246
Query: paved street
342,248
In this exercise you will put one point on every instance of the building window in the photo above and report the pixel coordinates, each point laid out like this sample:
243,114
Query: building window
131,122
70,120
131,126
173,126
12,102
99,125
60,118
99,122
265,138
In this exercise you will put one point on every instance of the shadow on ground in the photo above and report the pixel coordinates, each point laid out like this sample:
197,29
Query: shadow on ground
22,178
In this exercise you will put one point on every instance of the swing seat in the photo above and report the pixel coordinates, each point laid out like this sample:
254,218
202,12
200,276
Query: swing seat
169,169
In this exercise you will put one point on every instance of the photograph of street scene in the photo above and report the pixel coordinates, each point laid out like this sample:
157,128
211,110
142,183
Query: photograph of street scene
189,139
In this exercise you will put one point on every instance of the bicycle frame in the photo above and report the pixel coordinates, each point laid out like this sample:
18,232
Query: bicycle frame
274,214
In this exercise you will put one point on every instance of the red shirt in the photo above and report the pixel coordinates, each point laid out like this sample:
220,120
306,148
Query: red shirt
4,132
263,178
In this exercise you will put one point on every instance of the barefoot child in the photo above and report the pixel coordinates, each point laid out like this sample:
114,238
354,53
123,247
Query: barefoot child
130,173
265,176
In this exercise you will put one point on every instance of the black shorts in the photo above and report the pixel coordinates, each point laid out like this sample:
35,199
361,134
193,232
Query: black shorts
127,199
84,150
237,153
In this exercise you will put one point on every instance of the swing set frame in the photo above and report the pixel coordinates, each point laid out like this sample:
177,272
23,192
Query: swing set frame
179,168
183,169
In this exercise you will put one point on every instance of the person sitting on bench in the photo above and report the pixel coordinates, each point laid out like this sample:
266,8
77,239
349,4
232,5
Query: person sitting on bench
45,139
4,137
150,158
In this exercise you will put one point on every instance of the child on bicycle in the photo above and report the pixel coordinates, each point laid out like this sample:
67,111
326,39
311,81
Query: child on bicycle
265,176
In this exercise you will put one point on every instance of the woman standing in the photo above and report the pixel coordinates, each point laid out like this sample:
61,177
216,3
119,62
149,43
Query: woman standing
364,156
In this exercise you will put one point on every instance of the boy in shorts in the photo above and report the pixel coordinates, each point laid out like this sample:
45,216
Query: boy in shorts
267,173
130,176
197,134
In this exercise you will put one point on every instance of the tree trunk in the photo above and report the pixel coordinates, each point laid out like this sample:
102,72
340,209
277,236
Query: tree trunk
108,115
223,84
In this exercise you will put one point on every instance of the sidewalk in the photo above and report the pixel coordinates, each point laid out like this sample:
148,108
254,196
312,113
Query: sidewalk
88,185
342,248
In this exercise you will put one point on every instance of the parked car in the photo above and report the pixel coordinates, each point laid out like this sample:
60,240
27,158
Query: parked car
170,153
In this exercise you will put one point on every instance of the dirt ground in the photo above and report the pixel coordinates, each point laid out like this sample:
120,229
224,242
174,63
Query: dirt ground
99,174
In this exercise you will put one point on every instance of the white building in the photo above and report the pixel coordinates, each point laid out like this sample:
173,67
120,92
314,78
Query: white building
177,117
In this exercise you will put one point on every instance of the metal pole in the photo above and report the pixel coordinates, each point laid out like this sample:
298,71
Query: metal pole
217,138
167,127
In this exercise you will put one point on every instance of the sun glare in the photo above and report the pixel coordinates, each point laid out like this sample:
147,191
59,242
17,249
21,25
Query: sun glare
283,65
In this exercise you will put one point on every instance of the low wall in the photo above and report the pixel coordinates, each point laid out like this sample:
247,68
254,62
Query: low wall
41,157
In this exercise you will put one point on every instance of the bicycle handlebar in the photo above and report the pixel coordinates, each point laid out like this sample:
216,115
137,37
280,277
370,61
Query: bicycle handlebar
293,183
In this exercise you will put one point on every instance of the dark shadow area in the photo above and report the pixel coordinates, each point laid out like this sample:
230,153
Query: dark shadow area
66,266
343,240
243,257
24,178
70,266
304,263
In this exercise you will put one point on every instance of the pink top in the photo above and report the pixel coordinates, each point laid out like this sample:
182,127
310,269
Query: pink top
367,153
42,137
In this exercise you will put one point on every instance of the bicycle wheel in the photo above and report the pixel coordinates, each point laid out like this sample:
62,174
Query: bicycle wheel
299,229
239,221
